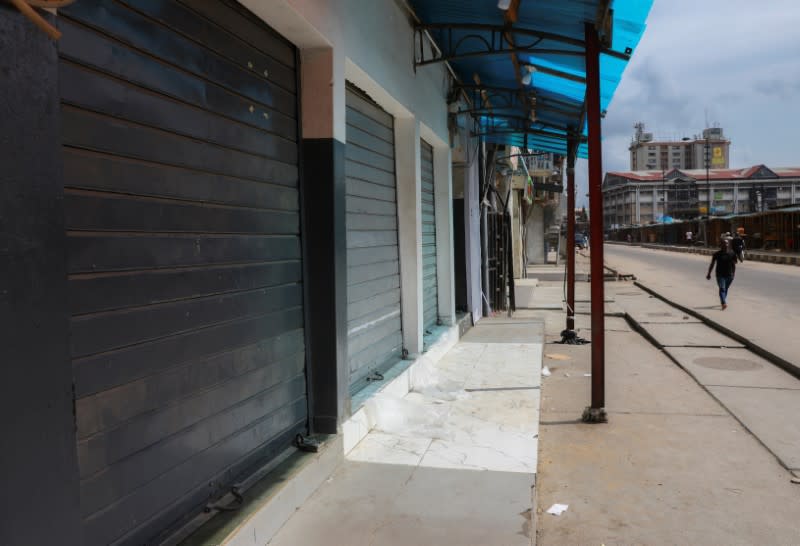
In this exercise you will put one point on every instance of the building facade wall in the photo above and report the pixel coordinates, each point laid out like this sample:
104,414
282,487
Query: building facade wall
371,46
367,43
620,202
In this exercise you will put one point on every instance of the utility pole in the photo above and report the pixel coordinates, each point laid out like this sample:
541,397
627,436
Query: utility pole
663,205
708,186
571,152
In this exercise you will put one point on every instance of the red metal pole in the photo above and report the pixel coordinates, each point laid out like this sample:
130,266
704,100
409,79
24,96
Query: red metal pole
596,412
571,234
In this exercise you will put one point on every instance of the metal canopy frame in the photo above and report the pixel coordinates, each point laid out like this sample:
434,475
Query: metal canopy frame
568,97
501,40
488,99
519,124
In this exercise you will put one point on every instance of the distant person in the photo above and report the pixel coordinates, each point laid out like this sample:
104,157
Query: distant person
737,245
725,260
630,239
689,235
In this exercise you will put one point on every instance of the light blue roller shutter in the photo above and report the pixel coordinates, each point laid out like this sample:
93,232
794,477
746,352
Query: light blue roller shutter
373,260
430,293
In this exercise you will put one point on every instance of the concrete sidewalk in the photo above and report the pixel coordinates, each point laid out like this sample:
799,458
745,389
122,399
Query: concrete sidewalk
451,462
454,460
773,330
672,466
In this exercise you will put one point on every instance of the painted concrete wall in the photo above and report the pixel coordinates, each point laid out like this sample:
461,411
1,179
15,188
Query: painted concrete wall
468,175
370,39
516,233
535,227
371,44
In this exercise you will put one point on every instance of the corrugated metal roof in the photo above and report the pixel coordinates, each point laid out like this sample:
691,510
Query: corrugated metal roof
555,30
713,174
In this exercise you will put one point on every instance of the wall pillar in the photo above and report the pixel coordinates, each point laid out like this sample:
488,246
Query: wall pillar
535,239
38,464
443,196
322,182
516,233
409,219
472,238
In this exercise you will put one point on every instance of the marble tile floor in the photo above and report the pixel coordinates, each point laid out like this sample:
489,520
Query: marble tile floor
477,408
453,461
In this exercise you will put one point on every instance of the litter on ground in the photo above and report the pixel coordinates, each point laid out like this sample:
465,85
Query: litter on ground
557,509
557,356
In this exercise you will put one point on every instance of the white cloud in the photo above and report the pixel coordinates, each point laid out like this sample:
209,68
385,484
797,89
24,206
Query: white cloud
736,61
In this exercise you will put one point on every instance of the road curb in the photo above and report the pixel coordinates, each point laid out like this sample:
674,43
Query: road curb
750,256
757,349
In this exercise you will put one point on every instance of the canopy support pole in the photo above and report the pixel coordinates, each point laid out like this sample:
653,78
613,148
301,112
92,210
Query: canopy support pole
571,234
596,412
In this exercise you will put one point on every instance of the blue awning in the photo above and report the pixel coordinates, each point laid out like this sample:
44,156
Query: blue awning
546,39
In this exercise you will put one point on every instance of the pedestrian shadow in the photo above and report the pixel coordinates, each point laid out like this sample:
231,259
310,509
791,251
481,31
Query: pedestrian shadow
704,308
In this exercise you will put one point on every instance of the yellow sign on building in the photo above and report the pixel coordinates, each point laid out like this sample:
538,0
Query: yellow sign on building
717,156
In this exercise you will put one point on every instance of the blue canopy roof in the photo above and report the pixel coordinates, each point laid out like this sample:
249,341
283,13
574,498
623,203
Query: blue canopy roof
491,54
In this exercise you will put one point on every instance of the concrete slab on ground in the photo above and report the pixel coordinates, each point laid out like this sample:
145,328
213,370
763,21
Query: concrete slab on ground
646,309
770,414
763,302
671,466
610,308
694,335
732,368
548,297
505,331
355,509
524,290
548,272
636,373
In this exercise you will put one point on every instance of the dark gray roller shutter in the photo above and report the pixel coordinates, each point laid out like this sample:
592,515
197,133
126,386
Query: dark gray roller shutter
184,255
373,262
430,291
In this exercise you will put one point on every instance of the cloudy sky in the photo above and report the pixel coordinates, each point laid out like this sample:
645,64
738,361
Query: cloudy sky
736,62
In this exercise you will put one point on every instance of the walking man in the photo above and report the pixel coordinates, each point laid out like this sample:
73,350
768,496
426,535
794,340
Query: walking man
737,245
725,261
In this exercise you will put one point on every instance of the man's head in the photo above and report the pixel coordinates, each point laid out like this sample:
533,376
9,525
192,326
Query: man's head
723,244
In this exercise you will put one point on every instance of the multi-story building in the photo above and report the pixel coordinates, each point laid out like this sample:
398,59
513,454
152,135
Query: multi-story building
645,197
650,153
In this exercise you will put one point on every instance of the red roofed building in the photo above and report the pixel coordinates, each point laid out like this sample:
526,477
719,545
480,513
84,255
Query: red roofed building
645,197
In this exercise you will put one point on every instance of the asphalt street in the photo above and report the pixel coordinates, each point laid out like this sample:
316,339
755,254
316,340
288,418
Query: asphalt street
764,300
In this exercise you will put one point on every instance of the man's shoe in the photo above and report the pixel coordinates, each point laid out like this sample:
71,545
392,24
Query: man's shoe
724,306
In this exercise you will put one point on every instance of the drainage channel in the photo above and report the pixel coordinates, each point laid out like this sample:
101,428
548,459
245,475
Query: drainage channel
755,390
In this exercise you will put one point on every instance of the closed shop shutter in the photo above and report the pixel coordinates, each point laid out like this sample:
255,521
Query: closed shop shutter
373,263
430,292
179,126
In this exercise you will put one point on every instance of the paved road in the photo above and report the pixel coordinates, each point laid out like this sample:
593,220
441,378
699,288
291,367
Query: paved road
764,301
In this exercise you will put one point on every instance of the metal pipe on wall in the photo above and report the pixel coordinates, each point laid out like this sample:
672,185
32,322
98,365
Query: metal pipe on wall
595,413
483,171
